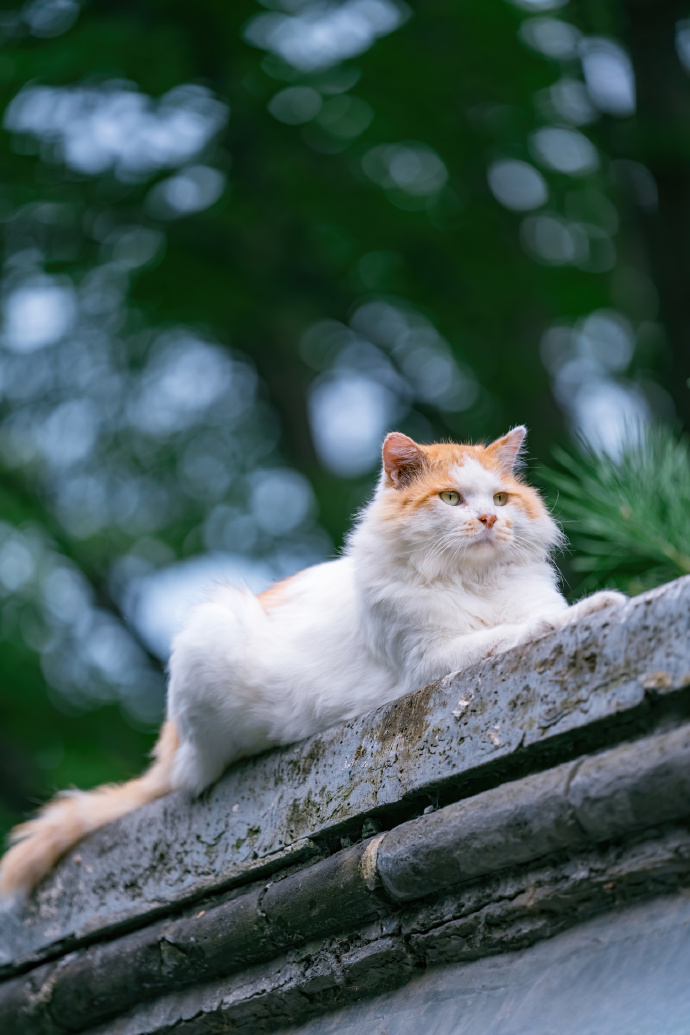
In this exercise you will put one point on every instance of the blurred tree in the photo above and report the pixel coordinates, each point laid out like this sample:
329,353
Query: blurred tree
242,242
659,40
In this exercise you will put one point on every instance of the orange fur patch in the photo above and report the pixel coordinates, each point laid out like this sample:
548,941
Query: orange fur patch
434,477
275,594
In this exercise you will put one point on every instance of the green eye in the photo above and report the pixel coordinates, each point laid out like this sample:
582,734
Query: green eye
451,498
500,499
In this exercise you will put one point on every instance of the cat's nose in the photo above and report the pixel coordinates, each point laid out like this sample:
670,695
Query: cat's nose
487,519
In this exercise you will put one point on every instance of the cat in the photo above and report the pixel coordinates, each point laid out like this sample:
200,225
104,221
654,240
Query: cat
447,565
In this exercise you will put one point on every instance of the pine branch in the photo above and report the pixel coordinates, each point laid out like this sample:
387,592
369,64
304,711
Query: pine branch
628,518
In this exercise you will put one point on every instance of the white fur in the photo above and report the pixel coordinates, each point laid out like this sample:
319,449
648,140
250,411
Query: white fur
407,603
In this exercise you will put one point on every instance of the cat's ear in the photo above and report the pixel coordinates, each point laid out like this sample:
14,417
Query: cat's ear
402,459
507,449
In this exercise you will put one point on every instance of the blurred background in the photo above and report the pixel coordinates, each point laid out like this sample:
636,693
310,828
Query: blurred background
242,241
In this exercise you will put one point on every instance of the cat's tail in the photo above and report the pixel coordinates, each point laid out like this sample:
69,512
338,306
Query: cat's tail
40,842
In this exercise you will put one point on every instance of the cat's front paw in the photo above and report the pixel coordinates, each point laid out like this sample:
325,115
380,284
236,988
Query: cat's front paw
597,602
539,627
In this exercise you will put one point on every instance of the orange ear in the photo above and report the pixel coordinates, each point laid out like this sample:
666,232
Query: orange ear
507,449
402,459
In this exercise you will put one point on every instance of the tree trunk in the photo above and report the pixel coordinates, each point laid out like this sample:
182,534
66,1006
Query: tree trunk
663,99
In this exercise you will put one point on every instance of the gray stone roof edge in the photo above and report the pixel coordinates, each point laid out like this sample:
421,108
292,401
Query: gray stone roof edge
507,912
595,799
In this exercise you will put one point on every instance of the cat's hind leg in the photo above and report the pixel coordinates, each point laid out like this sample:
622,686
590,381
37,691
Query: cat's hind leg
213,696
199,762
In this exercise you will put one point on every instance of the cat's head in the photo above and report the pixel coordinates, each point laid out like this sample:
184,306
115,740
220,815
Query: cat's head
459,507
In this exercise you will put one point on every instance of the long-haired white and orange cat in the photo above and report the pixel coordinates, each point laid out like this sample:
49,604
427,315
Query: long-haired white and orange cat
447,565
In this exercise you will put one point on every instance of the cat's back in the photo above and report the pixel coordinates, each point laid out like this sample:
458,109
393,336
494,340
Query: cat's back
312,640
315,598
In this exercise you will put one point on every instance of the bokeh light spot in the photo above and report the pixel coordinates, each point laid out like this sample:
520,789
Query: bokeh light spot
517,185
281,500
609,76
349,416
564,150
295,105
321,34
191,190
38,313
551,37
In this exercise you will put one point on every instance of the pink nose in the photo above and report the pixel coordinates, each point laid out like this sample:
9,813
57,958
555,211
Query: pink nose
487,519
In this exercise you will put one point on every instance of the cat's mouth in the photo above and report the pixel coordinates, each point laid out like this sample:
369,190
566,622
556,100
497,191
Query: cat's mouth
490,538
484,536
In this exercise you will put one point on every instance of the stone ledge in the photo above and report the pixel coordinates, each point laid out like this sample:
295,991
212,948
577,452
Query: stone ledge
508,912
601,798
598,798
605,679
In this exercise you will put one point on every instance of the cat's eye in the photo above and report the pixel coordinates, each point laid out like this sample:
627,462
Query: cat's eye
500,499
451,498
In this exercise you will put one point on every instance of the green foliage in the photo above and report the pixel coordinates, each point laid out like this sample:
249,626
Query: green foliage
379,201
628,517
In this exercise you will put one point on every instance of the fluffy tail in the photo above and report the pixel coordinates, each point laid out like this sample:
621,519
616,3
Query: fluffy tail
40,842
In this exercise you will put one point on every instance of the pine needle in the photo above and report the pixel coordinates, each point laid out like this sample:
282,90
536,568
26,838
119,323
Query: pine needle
628,518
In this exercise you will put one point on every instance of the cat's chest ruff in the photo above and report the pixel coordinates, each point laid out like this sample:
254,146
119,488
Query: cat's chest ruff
510,599
460,608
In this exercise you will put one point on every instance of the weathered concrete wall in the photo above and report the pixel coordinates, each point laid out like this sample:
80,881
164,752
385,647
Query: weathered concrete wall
623,974
249,908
